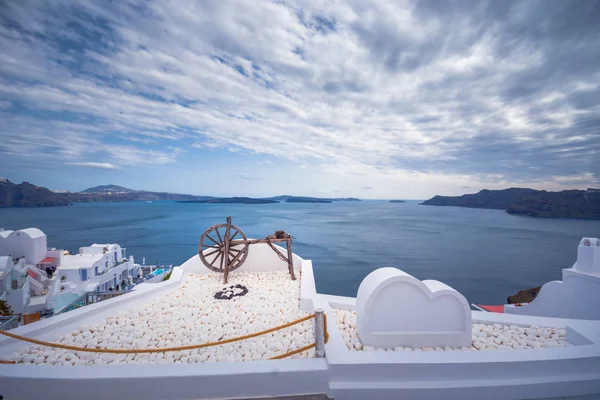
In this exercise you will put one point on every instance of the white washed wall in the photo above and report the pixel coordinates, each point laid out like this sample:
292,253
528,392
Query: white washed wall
576,296
260,258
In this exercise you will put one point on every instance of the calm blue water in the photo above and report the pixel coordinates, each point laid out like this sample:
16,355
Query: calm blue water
485,254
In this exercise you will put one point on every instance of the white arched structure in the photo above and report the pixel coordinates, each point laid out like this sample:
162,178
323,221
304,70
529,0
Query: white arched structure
394,309
30,243
576,296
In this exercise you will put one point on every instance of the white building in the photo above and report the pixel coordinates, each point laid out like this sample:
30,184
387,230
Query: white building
99,268
34,278
26,269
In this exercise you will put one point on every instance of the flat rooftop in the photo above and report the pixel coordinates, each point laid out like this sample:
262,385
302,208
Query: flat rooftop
77,261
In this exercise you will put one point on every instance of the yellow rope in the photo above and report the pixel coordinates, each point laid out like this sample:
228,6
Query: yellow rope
160,350
181,348
308,347
291,353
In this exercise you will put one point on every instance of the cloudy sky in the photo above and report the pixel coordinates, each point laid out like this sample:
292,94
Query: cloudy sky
363,98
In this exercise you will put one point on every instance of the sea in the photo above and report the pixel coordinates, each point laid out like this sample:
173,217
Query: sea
486,255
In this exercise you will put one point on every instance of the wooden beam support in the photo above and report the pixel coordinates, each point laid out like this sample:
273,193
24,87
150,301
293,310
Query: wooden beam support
290,258
226,249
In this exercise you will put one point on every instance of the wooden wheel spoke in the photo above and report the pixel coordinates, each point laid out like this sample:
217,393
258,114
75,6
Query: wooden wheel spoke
215,259
236,250
217,243
212,246
234,235
219,235
212,252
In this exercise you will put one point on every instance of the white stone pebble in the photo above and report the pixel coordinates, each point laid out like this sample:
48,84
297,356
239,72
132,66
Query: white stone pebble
485,337
191,315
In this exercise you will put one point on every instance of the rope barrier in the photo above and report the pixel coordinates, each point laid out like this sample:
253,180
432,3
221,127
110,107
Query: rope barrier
159,350
291,353
308,347
170,349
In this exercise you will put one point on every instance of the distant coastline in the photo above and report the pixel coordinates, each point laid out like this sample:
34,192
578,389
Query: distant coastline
575,204
231,200
397,201
28,195
307,200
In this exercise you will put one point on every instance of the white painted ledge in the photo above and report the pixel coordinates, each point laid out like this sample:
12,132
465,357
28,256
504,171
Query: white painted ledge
308,288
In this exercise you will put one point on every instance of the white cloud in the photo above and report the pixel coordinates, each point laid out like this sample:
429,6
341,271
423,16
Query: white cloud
94,165
380,92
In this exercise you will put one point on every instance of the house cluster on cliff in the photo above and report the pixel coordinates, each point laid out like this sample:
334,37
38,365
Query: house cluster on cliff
38,279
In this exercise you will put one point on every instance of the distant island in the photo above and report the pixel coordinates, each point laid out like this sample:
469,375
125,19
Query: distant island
231,200
115,193
28,195
267,200
301,199
397,201
292,199
577,204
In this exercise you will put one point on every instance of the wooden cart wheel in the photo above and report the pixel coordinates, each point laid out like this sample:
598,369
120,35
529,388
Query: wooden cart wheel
212,247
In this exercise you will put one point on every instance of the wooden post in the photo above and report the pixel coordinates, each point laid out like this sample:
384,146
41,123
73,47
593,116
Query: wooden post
226,249
319,333
290,260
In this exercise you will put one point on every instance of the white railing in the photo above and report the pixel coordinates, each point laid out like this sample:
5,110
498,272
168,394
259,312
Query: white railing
8,322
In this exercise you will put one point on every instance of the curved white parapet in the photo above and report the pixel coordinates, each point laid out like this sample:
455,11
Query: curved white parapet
576,296
394,309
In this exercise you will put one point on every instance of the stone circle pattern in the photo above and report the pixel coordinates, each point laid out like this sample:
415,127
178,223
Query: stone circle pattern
232,291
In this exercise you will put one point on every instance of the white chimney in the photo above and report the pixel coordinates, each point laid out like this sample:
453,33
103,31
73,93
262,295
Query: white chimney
588,256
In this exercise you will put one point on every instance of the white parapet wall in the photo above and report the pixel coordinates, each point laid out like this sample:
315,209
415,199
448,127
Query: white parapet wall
394,309
567,373
557,373
576,296
251,379
308,288
261,257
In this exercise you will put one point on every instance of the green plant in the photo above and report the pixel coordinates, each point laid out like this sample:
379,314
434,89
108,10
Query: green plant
168,276
63,278
5,308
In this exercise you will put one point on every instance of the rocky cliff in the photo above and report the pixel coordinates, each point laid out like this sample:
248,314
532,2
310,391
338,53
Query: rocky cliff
27,195
524,296
497,199
580,204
